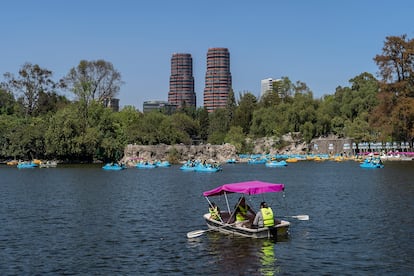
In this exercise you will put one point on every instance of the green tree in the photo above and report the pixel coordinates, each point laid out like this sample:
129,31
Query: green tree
93,81
394,116
25,138
31,82
149,128
129,119
231,107
63,130
266,122
7,102
202,117
244,112
236,137
217,126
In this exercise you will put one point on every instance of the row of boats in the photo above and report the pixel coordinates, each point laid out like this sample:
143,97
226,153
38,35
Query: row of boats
139,165
190,165
36,163
198,166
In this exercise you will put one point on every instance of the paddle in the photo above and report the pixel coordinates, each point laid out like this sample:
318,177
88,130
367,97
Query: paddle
198,233
299,217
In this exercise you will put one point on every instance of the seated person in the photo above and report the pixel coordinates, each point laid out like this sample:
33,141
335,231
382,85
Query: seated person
264,218
214,211
242,210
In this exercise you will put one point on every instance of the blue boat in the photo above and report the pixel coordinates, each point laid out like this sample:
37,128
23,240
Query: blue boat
190,165
207,168
146,165
374,163
273,164
163,164
26,165
114,167
255,161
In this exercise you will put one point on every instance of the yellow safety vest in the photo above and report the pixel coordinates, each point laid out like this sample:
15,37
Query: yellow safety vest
267,214
214,214
241,213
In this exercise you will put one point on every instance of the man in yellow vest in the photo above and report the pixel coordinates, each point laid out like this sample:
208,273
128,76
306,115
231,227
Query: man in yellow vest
214,211
242,213
264,218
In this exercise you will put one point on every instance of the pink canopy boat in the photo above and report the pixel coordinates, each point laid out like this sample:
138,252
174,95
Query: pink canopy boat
226,223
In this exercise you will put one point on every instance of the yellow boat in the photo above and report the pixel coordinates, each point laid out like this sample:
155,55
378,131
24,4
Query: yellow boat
292,160
12,163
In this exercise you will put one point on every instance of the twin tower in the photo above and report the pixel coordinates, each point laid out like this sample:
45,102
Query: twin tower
217,82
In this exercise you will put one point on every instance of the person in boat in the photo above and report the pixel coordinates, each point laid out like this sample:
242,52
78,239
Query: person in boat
264,218
214,211
242,213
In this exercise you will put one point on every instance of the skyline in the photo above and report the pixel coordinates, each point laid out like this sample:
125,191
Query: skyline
321,43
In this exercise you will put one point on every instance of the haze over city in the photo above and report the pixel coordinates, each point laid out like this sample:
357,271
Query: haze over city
321,43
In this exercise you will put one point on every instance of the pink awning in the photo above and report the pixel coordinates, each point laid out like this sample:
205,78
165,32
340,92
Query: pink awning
249,188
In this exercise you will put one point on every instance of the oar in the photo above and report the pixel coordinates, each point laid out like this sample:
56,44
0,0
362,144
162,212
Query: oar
198,233
299,217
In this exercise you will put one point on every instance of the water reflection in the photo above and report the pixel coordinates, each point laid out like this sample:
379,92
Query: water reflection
268,259
242,256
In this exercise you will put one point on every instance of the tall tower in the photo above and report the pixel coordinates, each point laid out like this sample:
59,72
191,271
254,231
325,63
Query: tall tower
182,81
266,86
218,79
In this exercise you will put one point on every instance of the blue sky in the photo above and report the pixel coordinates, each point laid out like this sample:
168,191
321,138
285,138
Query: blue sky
323,43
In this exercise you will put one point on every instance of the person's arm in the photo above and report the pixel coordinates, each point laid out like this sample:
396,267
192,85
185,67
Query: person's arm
256,219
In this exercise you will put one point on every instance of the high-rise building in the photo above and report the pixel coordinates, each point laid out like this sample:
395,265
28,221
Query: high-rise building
182,81
218,79
267,85
112,103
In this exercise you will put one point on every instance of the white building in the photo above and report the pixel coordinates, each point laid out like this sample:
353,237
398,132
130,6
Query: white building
267,85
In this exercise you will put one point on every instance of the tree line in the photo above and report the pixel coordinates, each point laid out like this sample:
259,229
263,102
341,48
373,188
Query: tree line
38,121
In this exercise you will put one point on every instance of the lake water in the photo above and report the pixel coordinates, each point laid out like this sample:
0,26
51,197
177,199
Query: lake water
76,220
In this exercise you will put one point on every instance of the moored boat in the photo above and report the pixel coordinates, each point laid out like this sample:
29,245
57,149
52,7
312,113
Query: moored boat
231,161
114,167
292,160
255,161
274,163
163,164
26,165
48,164
146,165
12,162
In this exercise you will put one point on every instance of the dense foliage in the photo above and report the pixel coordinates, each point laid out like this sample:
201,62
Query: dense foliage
37,122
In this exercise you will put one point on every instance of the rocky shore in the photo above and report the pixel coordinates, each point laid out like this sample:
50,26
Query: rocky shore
293,144
211,153
179,153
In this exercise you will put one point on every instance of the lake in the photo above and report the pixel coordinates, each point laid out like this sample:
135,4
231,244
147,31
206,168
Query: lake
84,220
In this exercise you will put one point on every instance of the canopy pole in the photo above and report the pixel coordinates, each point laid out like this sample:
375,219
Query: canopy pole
211,205
227,202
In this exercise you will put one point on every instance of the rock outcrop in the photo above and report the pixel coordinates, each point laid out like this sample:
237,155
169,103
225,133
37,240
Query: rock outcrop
292,144
180,153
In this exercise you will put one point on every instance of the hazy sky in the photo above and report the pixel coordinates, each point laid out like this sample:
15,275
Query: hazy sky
323,43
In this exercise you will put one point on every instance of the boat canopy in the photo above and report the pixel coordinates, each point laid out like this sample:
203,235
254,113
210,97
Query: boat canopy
249,188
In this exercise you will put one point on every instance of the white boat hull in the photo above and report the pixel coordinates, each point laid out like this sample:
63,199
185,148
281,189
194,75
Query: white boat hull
282,229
